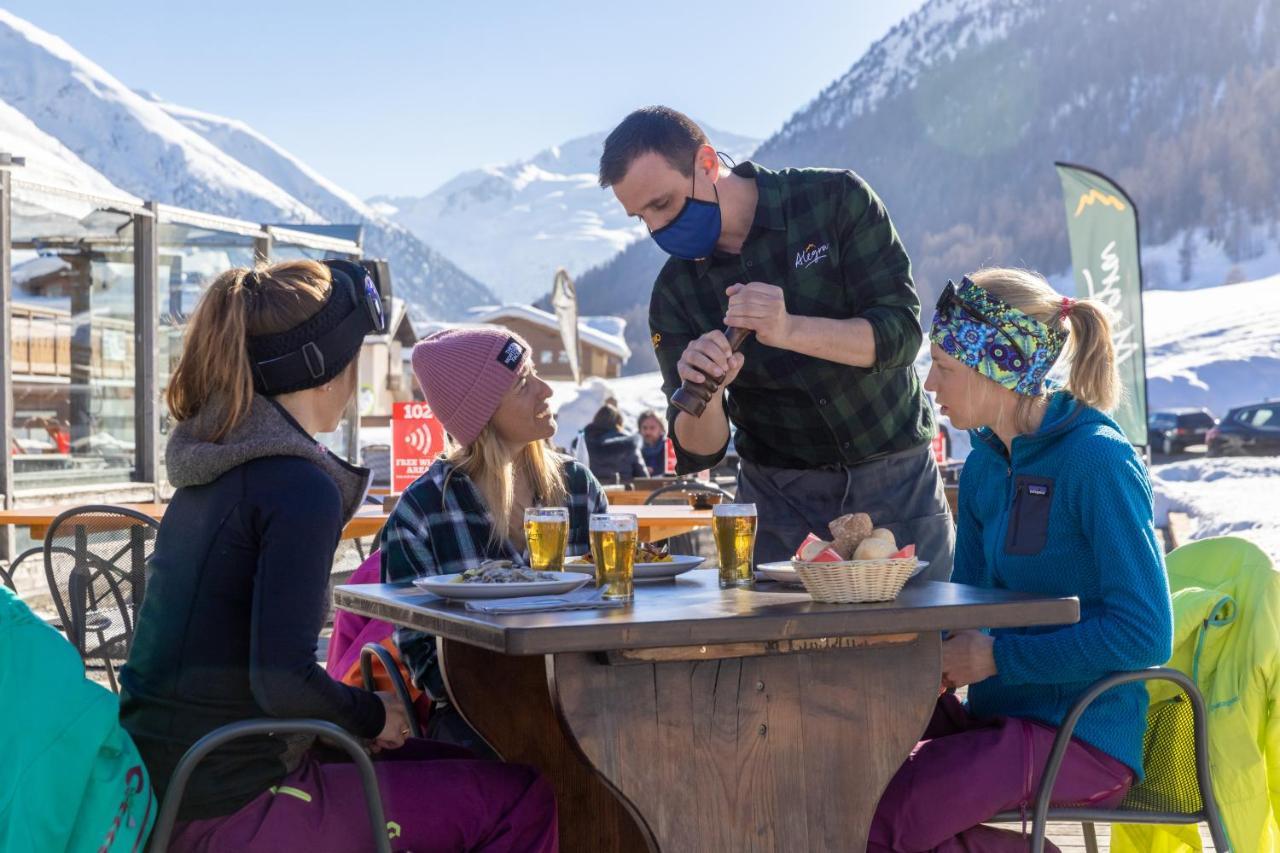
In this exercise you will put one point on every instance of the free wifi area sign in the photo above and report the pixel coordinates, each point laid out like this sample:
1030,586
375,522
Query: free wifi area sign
417,438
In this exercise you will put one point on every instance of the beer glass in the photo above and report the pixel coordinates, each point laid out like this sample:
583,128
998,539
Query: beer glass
546,529
613,547
734,528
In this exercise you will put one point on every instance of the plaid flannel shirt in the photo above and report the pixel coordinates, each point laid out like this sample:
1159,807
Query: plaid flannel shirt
439,530
825,238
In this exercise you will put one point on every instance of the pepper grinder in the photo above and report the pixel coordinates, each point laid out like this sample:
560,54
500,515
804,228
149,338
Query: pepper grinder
692,397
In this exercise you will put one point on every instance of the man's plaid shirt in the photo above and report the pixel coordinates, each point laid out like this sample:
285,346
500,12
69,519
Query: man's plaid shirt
441,526
825,238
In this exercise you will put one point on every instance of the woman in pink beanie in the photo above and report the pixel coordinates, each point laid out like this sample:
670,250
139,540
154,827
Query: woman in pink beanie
469,505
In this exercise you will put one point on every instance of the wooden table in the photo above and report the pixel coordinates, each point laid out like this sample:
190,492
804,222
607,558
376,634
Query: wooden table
706,719
661,521
367,522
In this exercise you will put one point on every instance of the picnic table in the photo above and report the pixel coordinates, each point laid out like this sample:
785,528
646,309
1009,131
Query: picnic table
653,522
706,719
367,522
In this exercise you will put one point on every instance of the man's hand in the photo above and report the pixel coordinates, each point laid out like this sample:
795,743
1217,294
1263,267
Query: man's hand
710,357
761,308
967,658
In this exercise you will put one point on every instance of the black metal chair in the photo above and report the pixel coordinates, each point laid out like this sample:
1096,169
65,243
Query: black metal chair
163,829
679,491
1151,801
367,653
95,560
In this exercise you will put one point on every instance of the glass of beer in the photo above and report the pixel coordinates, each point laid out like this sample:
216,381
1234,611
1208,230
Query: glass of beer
734,528
546,529
613,547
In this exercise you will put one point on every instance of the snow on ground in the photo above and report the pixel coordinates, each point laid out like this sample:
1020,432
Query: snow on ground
575,405
1216,347
1224,497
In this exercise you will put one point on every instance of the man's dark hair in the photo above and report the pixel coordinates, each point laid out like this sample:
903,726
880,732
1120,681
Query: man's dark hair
659,129
649,414
607,417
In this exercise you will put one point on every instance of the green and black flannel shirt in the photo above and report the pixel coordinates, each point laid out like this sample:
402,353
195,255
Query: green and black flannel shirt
825,238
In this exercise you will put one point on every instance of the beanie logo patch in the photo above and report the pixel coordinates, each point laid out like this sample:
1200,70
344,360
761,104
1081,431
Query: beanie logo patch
511,354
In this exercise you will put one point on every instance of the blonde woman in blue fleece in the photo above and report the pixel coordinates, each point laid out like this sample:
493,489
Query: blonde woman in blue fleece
1053,501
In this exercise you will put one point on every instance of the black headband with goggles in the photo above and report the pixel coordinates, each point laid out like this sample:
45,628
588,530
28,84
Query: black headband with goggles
316,351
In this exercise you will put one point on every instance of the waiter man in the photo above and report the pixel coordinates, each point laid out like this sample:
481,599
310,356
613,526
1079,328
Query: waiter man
829,413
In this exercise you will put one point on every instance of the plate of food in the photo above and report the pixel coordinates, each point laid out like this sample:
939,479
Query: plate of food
501,579
652,562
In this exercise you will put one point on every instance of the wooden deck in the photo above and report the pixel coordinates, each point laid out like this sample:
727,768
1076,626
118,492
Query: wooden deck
1070,839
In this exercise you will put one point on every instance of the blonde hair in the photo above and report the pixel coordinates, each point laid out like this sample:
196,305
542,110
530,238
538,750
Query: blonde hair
486,462
1092,377
214,366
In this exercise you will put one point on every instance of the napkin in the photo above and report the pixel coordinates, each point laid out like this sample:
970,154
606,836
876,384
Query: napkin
585,598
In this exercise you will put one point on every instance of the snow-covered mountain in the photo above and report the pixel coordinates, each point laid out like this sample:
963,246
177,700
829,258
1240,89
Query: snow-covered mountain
956,116
48,161
513,225
176,155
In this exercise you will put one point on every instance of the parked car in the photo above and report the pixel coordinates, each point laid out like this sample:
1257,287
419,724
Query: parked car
1172,430
1252,430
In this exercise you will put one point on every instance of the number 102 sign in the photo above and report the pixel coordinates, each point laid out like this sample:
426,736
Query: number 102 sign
417,438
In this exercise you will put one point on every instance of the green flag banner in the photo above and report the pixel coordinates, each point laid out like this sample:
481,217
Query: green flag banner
1102,224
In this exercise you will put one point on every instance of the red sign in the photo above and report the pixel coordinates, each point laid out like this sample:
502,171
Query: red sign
417,438
671,463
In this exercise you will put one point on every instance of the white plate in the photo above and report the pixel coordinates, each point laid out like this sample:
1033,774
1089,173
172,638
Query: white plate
451,586
783,572
677,565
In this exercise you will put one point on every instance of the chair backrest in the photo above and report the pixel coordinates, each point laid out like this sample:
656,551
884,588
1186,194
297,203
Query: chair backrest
679,491
95,560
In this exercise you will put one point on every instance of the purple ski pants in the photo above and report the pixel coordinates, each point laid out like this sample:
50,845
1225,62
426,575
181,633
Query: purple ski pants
436,798
966,770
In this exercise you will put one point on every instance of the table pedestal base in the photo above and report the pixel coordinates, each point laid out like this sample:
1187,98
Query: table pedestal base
784,747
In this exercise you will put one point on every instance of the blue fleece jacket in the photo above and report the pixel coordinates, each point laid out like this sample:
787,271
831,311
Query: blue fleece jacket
1068,513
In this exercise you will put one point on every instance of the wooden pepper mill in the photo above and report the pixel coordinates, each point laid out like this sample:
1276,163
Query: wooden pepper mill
692,397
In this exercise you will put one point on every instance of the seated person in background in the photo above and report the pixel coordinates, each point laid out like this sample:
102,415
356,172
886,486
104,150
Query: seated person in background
1053,501
239,589
469,505
654,435
614,455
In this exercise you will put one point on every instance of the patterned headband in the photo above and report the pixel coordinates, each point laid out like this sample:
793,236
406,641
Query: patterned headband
994,338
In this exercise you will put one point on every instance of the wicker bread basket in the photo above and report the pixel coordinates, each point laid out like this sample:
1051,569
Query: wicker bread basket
855,580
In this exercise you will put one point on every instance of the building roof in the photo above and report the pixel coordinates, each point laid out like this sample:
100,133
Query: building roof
614,344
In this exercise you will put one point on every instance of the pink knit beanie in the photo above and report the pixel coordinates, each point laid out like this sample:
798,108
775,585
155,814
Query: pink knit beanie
464,374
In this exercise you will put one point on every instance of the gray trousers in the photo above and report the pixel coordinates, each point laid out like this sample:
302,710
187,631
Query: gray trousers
902,492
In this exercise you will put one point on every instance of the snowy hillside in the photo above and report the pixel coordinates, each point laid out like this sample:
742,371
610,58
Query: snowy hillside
1217,347
1223,497
512,226
48,160
60,105
133,142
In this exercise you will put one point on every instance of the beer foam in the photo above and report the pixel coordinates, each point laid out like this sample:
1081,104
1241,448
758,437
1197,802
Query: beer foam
734,510
614,522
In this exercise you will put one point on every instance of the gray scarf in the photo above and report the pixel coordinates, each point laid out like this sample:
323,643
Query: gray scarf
267,430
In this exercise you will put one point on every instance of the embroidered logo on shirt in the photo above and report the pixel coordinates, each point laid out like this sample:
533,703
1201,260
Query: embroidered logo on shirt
812,254
511,354
657,339
1037,490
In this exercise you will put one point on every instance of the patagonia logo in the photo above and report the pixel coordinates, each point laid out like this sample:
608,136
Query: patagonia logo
811,254
1037,490
511,354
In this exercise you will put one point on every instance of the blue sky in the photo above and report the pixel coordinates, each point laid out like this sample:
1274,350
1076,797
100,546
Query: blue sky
399,97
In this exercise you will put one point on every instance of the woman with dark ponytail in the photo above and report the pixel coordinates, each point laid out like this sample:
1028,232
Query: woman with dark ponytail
1053,501
238,588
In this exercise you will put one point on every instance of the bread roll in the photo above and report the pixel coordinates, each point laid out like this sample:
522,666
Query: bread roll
849,531
886,534
874,548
